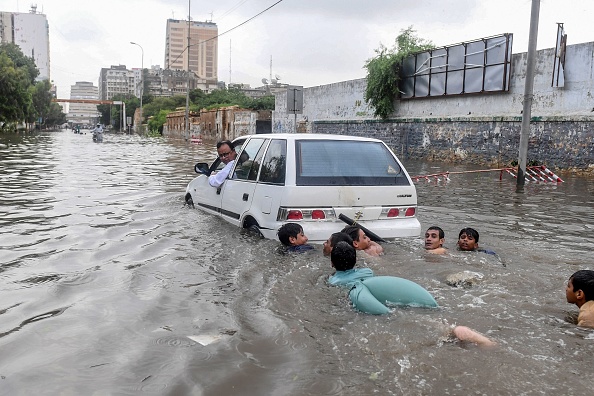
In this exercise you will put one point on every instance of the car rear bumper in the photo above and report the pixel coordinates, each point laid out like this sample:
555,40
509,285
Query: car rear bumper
320,231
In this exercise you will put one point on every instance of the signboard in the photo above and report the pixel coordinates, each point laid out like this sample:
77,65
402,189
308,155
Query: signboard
559,61
294,99
477,66
129,120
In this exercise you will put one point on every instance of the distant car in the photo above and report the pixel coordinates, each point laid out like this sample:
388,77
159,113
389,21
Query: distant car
311,179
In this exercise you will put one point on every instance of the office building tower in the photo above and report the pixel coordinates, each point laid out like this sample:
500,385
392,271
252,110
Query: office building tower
83,113
117,80
30,32
203,49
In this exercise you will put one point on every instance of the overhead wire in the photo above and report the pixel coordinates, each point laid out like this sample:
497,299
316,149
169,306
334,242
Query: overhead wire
221,34
236,6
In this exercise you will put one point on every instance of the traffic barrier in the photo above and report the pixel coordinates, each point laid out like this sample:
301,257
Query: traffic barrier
538,173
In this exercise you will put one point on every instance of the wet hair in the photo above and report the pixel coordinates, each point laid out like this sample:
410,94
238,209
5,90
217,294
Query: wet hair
227,142
469,231
352,231
343,256
442,234
340,237
288,230
583,280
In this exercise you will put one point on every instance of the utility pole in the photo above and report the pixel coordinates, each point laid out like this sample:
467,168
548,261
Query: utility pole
187,117
528,94
138,129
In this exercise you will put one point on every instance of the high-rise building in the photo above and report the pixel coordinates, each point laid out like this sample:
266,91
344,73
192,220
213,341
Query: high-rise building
203,49
31,33
83,113
117,80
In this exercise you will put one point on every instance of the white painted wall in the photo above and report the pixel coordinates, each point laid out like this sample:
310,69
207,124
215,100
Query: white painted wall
345,100
573,99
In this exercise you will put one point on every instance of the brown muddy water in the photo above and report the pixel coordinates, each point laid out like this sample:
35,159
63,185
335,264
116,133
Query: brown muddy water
110,286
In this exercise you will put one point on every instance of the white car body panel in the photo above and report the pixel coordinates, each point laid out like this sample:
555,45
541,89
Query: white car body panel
242,201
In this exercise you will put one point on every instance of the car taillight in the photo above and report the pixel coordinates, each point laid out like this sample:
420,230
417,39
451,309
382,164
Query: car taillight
295,215
318,214
410,212
393,212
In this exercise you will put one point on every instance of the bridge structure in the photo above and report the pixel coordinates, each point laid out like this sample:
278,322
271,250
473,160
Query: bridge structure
90,101
97,101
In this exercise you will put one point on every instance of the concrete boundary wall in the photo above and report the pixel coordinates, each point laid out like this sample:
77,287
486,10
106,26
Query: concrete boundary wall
478,128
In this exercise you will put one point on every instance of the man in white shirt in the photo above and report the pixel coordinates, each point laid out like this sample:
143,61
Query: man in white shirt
227,155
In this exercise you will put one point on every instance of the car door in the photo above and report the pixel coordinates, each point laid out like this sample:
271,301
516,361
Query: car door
238,192
207,197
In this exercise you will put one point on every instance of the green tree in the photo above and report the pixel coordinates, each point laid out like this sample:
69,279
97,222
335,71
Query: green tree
155,123
15,97
383,71
263,103
55,116
41,99
20,60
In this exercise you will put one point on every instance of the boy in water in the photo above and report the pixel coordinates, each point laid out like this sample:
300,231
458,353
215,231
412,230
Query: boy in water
344,258
292,236
362,242
334,239
434,240
580,291
468,241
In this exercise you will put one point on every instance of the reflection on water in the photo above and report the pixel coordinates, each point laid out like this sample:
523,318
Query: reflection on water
109,285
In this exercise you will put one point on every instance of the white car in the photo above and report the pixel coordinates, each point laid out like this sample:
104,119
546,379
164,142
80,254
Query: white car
314,180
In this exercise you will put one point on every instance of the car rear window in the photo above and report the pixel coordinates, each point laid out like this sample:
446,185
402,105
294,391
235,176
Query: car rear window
346,163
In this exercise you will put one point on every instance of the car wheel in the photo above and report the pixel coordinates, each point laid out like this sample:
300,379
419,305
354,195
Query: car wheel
189,200
255,228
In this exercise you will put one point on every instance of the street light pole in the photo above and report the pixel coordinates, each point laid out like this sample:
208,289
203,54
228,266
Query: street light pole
141,79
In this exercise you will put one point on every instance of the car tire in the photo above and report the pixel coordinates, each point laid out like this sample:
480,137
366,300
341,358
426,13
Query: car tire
255,229
189,200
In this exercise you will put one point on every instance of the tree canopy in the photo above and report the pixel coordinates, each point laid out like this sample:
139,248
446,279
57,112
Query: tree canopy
159,107
22,99
383,71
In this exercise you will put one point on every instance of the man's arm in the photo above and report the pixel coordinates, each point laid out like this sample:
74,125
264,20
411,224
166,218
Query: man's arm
219,178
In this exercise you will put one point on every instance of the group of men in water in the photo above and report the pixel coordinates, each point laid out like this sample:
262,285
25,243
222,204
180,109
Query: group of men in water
579,290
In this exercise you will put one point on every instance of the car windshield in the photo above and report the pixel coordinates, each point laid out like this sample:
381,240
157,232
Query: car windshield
346,163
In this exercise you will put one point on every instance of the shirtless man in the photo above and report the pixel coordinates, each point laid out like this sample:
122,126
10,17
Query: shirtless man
434,240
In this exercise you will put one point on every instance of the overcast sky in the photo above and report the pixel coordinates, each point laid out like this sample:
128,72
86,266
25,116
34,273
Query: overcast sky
311,42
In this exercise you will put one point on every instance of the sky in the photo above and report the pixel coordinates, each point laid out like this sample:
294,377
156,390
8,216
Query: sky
308,42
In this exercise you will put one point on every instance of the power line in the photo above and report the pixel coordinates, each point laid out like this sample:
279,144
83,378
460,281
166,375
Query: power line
219,35
236,6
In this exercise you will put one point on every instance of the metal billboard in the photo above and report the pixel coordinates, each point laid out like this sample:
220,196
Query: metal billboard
295,99
482,65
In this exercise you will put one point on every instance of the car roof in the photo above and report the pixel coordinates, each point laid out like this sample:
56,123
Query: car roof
309,136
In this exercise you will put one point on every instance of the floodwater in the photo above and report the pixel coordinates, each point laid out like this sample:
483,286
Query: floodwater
110,286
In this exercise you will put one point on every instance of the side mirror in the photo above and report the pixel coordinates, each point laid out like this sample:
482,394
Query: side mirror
202,168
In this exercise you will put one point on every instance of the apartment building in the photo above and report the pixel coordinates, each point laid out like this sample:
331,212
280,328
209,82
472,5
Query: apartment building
83,113
30,32
202,56
117,80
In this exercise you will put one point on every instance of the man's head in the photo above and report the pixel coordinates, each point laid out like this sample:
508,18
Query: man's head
343,256
360,240
434,238
334,239
468,239
291,234
226,151
580,287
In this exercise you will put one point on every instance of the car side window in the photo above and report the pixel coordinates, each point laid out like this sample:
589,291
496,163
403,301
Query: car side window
249,160
274,164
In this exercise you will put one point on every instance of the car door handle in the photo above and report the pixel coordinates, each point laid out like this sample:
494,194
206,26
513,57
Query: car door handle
246,196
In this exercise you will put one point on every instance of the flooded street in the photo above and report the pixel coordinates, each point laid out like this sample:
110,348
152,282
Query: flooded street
109,285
